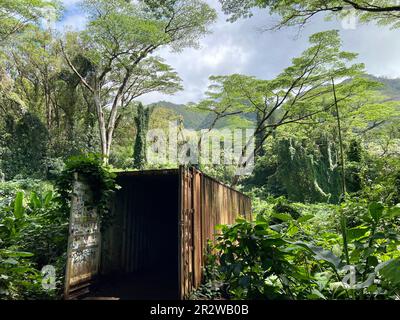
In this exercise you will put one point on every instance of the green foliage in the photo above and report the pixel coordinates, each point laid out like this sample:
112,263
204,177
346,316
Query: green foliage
298,13
352,176
257,263
25,147
193,119
61,101
211,287
312,164
390,272
354,153
283,207
380,179
226,97
46,229
18,278
10,188
279,257
221,172
33,233
100,179
16,15
142,120
288,106
18,206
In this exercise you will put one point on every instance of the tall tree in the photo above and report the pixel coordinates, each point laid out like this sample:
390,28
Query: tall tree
36,63
288,98
298,13
301,94
119,41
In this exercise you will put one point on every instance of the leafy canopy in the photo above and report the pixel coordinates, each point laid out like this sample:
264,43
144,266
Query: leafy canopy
15,15
298,13
129,30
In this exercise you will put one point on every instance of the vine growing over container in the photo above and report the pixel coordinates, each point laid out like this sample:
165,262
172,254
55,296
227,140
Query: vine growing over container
99,177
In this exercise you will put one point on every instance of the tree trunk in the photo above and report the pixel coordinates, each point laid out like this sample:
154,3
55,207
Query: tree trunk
343,170
102,128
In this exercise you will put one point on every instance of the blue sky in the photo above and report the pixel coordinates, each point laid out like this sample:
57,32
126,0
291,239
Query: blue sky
241,47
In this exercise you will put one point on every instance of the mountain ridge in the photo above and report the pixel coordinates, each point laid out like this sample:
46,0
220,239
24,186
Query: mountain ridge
193,119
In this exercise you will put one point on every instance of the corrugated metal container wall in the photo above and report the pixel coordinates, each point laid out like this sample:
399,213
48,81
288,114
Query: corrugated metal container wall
205,203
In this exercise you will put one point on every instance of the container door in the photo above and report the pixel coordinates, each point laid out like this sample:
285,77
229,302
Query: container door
83,253
186,232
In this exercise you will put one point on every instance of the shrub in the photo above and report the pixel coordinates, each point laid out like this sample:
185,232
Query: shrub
33,233
289,260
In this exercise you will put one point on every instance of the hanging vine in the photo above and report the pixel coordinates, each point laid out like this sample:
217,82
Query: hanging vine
100,179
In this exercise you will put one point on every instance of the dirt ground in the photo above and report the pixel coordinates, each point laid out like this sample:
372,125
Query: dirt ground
138,286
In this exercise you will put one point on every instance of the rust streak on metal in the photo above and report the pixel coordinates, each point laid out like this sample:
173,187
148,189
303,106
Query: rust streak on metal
210,203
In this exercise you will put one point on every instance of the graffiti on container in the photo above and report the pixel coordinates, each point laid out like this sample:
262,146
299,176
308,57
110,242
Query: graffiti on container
84,238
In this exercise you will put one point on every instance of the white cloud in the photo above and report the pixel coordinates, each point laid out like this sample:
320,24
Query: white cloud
222,53
73,22
70,3
378,48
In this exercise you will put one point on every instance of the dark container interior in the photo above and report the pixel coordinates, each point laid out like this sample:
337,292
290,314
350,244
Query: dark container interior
140,251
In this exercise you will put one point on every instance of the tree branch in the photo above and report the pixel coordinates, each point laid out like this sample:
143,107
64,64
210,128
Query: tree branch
82,79
371,8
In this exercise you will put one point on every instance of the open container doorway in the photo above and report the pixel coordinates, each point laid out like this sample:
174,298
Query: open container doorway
140,250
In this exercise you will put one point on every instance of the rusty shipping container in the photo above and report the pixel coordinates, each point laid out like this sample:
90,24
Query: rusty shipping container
163,220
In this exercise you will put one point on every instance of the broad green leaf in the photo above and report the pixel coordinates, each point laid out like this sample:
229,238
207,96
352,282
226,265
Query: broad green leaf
282,216
321,253
21,254
393,212
305,218
10,261
48,198
357,233
376,211
372,261
18,205
316,294
390,270
35,201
